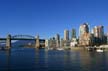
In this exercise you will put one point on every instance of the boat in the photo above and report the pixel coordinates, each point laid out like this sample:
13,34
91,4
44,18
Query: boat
99,50
60,49
90,48
50,48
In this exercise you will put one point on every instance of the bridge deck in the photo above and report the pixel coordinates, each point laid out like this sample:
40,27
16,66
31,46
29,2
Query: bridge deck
22,39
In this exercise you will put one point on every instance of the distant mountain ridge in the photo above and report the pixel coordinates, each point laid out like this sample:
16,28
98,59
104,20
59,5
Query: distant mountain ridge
23,42
20,42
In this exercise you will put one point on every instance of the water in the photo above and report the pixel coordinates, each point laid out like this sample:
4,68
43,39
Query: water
30,59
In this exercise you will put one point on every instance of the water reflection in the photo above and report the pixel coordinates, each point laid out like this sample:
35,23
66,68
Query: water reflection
5,60
31,59
41,58
93,61
71,60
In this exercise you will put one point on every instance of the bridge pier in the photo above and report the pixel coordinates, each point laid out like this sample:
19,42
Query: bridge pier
8,41
37,43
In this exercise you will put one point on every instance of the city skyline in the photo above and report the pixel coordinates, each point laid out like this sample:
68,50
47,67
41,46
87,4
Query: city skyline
49,17
70,34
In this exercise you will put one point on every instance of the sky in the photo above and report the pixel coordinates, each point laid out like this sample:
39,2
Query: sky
49,17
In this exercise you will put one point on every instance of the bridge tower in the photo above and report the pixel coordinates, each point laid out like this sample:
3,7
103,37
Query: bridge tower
8,41
37,44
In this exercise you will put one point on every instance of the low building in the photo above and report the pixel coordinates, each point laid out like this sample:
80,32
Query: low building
107,38
47,43
66,44
74,42
61,43
52,43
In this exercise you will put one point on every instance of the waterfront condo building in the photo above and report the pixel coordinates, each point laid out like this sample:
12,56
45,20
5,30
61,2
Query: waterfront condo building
83,29
66,38
73,34
85,38
98,32
57,38
66,35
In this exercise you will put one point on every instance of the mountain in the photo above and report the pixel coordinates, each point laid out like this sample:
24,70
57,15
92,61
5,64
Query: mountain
23,43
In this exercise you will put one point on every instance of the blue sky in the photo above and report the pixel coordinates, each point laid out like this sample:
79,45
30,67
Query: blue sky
48,17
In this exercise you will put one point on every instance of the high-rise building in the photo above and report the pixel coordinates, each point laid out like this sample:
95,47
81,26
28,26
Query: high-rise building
61,42
57,38
85,37
107,39
66,35
98,32
73,35
83,29
73,41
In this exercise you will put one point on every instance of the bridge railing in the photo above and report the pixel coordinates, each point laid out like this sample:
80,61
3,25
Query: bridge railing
22,36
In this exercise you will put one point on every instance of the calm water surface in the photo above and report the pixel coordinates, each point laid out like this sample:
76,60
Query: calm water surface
30,59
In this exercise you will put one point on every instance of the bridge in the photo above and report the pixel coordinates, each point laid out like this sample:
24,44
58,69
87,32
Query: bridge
38,42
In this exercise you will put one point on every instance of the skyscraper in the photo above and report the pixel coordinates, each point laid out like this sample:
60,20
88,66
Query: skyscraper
66,35
107,39
84,35
73,34
98,32
83,29
57,37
